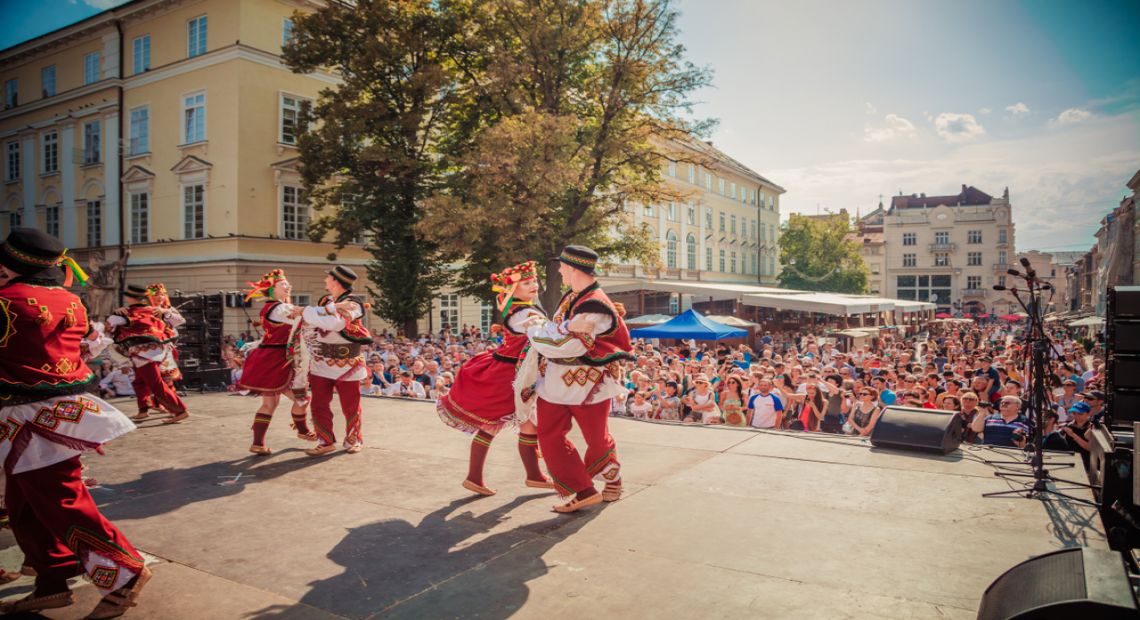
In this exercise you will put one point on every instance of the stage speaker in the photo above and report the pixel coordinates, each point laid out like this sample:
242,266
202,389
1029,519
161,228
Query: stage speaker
910,428
1062,585
1122,353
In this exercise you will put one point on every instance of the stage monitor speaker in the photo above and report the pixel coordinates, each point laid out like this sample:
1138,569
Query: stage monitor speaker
1062,585
1124,302
909,428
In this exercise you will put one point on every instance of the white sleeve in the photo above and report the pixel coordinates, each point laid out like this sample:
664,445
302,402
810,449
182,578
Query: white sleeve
324,317
555,340
173,317
280,313
116,321
521,321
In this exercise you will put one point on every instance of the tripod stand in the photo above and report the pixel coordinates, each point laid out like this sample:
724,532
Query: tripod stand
1038,343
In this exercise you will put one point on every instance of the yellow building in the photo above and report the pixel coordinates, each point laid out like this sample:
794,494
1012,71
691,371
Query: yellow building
168,126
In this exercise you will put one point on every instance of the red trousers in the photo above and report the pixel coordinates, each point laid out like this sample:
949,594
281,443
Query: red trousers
148,384
56,524
348,392
571,475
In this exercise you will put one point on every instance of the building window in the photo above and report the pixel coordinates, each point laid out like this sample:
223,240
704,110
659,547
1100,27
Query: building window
51,152
294,213
486,318
648,211
941,259
673,169
1002,235
909,260
12,170
91,142
722,221
672,211
754,230
693,174
140,130
290,119
708,218
1001,257
935,289
692,215
196,37
47,80
194,118
140,47
732,190
722,261
140,218
449,312
720,184
942,237
286,31
300,300
1001,280
691,252
670,250
732,224
732,262
752,197
708,181
708,259
94,223
193,212
753,264
973,283
91,67
974,236
51,221
974,259
910,239
11,93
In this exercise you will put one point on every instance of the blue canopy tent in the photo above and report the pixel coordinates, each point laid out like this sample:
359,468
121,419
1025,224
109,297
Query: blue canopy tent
690,324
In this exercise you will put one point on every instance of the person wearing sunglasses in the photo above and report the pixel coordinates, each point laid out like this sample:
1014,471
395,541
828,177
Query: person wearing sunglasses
1006,428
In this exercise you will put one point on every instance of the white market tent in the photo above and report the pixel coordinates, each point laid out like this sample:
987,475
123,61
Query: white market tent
731,321
823,303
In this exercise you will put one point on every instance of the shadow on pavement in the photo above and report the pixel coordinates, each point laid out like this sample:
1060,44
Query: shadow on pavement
393,568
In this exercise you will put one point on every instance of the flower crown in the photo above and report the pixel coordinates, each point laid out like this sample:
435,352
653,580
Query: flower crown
156,291
263,288
503,281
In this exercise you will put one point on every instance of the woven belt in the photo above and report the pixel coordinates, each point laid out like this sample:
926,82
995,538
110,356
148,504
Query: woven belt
567,361
504,358
339,350
272,346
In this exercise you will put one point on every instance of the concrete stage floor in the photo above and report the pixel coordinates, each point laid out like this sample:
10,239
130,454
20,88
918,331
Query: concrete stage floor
716,523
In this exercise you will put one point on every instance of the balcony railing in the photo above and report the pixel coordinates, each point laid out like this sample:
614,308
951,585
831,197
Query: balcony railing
974,292
943,247
1001,268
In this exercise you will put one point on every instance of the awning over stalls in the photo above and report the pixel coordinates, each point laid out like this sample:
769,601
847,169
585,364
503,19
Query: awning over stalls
717,291
823,303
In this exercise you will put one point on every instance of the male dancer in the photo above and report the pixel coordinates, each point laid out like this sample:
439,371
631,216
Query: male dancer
144,331
577,379
46,421
336,333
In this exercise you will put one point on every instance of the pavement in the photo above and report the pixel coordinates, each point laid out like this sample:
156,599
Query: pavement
715,522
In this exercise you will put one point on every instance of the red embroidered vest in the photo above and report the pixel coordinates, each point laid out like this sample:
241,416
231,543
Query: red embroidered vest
40,331
354,331
609,346
276,334
142,327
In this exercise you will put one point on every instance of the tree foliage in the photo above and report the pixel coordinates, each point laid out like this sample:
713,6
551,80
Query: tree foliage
816,255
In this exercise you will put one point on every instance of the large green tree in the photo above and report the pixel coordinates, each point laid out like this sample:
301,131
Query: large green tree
568,109
817,255
369,153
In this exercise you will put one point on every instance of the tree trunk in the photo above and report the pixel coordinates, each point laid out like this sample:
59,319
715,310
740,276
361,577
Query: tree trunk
553,292
411,329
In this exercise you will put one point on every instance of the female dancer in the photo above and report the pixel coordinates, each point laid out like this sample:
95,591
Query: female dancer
482,399
272,369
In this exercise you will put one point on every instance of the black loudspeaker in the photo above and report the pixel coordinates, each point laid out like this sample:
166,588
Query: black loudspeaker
1062,585
1122,350
909,428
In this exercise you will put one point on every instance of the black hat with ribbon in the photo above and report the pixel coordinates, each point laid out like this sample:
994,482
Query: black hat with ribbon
28,251
345,275
580,257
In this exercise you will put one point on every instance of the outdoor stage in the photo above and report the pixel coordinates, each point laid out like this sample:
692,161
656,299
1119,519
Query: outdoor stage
716,523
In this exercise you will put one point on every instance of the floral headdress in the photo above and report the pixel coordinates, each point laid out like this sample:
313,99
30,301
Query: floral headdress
504,282
263,288
156,291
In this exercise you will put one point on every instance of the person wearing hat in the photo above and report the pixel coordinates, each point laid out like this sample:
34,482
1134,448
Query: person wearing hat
272,369
144,331
1096,401
1076,432
47,419
579,375
335,330
483,401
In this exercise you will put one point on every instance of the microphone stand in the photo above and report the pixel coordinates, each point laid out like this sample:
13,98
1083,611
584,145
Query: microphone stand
1037,341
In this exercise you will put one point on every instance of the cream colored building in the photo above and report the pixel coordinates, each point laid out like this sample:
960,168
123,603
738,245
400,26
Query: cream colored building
950,250
869,235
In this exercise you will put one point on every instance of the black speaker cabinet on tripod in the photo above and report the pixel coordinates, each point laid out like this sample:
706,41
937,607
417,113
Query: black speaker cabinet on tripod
1122,350
910,428
1069,584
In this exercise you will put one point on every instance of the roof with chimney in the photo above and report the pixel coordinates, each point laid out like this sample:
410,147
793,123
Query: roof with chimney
969,196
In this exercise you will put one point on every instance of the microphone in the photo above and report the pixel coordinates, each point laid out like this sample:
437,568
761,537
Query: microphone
1029,271
998,287
1013,272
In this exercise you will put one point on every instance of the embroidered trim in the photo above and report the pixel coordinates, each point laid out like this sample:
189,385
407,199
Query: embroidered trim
80,540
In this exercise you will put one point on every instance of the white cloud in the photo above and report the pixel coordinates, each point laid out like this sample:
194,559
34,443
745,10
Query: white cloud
103,5
870,108
1017,109
894,127
1072,116
954,127
984,110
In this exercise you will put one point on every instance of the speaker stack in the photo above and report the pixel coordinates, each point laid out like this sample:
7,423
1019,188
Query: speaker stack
1122,348
1069,584
911,428
200,338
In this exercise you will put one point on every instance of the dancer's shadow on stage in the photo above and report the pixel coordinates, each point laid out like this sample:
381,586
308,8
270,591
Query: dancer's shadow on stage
444,567
160,491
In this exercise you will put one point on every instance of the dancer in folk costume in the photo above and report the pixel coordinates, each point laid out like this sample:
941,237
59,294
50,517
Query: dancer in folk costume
46,421
578,375
482,400
276,366
335,331
144,331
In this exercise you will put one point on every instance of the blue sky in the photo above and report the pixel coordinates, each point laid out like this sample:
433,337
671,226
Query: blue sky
840,102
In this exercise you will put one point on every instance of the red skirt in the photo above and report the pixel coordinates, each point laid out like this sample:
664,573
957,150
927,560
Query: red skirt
266,369
481,398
